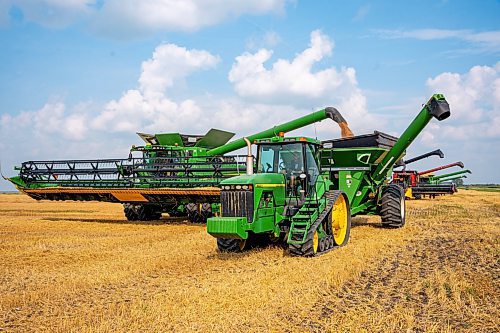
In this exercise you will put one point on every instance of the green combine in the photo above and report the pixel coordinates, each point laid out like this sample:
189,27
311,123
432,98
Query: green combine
172,173
304,191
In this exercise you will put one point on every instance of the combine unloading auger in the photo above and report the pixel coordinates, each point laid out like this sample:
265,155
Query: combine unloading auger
459,164
404,163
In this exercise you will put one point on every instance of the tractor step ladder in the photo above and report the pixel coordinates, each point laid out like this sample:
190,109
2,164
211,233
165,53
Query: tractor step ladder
301,222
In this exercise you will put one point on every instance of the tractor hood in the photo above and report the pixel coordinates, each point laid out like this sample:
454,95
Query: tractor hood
258,179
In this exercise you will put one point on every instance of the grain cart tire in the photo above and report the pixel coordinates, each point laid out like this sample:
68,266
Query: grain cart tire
392,209
130,212
231,245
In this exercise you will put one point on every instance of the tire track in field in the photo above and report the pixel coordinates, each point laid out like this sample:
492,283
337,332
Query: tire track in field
439,281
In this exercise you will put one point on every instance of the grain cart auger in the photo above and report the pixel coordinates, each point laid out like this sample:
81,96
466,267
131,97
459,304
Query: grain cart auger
174,173
304,191
434,179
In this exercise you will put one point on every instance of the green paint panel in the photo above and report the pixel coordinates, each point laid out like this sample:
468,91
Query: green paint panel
214,138
227,227
169,139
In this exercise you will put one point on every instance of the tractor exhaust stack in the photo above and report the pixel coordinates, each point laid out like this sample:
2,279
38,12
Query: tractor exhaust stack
249,157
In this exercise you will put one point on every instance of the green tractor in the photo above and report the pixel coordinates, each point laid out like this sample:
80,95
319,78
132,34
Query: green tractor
304,191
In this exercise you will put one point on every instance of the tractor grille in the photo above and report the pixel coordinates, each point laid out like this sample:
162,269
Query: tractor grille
237,204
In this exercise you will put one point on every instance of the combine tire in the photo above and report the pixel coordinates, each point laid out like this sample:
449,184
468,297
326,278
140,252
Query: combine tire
141,212
192,212
392,208
231,245
310,247
130,213
198,213
205,212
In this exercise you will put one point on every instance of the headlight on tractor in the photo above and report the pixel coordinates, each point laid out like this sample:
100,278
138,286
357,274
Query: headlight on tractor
236,187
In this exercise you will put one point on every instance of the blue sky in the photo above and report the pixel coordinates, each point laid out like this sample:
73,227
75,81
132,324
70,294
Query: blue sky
80,77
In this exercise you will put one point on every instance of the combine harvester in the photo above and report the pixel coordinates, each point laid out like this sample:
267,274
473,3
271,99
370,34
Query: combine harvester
304,191
431,186
409,178
417,183
175,173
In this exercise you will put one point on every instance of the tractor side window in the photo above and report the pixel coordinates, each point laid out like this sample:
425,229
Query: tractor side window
266,159
291,159
312,164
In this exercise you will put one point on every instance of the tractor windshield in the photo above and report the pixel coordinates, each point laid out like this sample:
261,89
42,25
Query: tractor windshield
281,158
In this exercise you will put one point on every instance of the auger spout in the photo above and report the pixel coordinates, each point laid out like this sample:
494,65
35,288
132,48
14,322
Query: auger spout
436,152
436,107
329,112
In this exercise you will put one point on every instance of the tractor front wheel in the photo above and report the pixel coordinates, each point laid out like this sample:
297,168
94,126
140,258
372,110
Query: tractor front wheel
231,245
393,210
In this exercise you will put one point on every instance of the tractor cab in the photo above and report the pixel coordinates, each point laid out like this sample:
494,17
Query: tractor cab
295,158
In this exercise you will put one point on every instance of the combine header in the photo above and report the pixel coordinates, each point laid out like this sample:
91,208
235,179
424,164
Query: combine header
431,186
174,173
304,192
416,183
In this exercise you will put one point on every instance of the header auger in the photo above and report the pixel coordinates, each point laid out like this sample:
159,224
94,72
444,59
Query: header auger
304,191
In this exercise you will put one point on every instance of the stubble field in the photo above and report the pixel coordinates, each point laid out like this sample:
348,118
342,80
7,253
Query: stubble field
80,267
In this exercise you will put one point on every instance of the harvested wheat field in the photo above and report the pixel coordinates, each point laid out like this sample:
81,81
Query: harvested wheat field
81,267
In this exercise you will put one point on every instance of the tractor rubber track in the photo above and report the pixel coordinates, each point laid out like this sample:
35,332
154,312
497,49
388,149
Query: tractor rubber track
326,244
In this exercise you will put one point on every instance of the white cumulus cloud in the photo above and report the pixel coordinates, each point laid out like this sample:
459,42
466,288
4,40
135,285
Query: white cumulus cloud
148,107
474,98
187,15
51,119
130,18
296,81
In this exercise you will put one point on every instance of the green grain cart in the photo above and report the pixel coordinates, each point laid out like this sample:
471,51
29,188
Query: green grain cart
304,191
